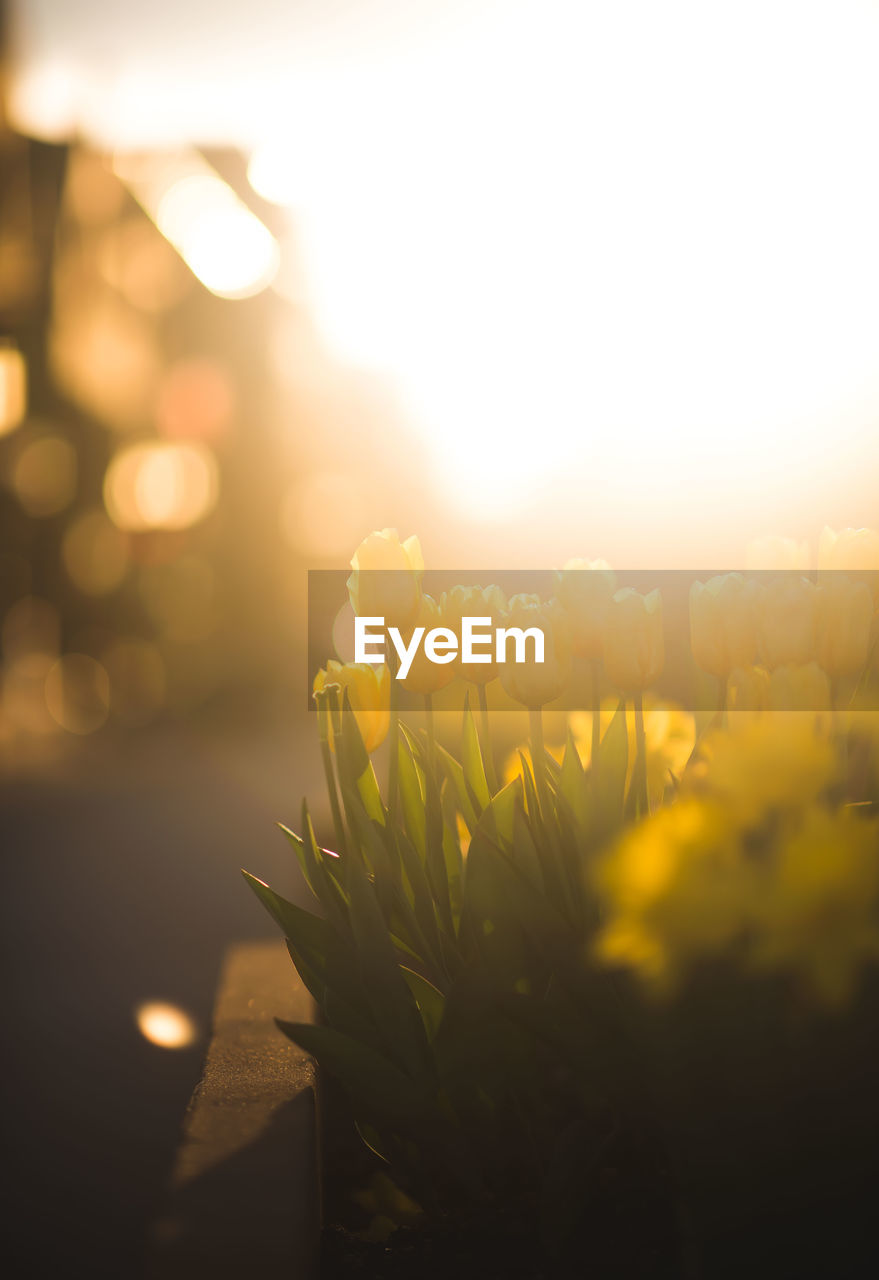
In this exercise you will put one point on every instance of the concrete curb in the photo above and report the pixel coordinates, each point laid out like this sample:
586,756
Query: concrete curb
244,1196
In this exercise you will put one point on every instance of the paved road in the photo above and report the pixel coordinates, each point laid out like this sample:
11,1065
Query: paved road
121,884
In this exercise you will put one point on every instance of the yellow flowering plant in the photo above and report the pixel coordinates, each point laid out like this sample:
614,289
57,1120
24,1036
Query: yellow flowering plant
492,959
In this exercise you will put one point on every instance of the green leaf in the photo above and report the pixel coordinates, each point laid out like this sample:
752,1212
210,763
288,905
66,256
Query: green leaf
412,798
471,761
422,905
293,921
318,871
374,1084
498,818
328,893
435,861
355,765
388,996
613,760
455,774
326,962
452,856
430,1001
572,781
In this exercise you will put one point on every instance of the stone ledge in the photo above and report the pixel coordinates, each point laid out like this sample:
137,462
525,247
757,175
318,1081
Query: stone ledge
244,1196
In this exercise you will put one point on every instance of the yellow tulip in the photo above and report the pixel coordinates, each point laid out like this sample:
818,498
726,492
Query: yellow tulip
474,602
585,588
369,692
634,648
723,623
844,617
386,582
675,890
747,690
764,766
532,683
803,688
777,553
787,621
423,675
849,549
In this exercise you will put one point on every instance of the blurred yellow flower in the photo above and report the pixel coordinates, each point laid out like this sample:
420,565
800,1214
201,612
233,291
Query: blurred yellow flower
763,765
386,582
669,734
772,552
675,889
723,623
531,683
747,690
474,602
803,688
843,619
585,588
369,692
787,621
423,675
817,912
634,651
849,549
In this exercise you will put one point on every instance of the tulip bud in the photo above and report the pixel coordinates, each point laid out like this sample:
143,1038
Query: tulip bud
531,683
423,675
584,589
787,622
474,602
747,689
723,624
849,549
386,582
803,688
369,692
855,551
844,616
776,553
634,650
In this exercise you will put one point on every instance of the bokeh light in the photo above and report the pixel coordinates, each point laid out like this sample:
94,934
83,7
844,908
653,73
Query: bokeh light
225,245
161,486
217,236
44,475
95,553
166,1025
78,693
196,401
104,356
13,388
142,266
45,99
24,694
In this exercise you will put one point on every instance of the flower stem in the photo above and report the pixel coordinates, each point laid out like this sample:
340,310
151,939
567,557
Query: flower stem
488,754
640,778
538,757
393,739
596,715
431,730
329,775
